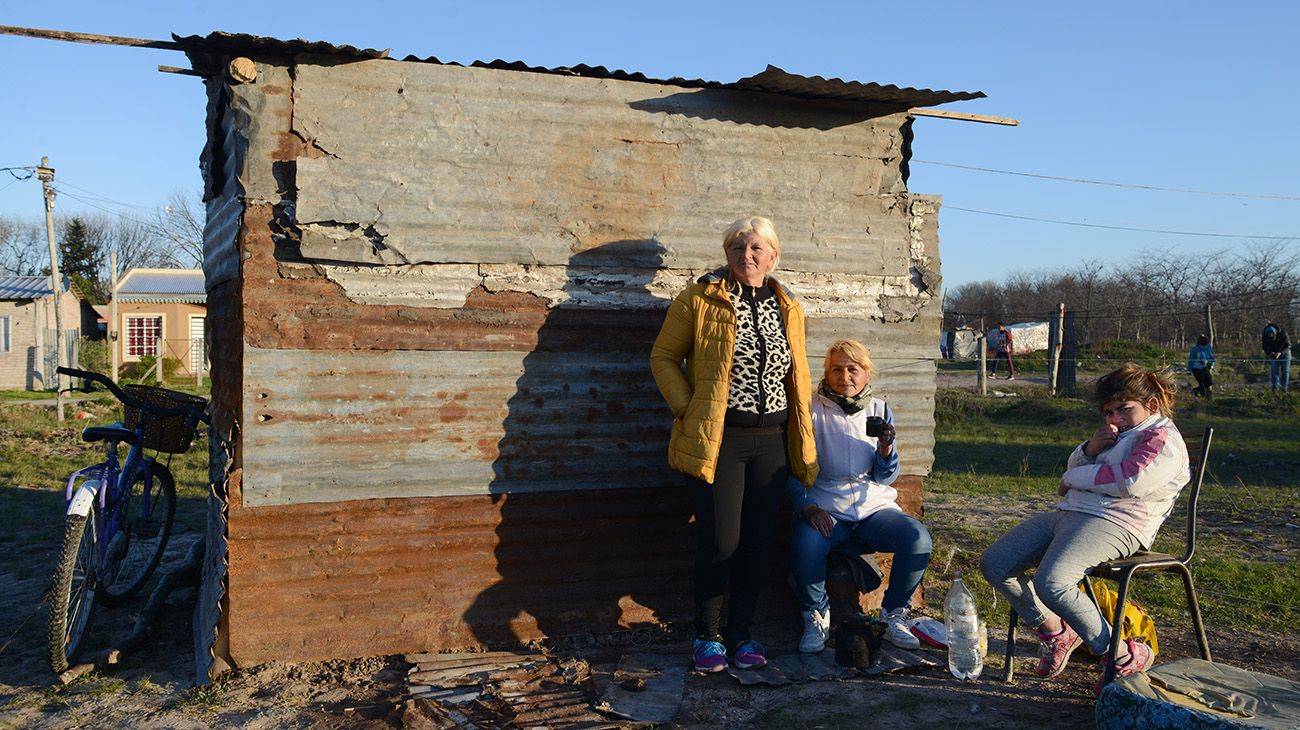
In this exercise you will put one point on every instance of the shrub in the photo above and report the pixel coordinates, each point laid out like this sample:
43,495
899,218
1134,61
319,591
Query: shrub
94,355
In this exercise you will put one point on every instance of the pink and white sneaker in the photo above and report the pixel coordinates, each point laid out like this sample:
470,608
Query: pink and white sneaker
1140,659
1055,651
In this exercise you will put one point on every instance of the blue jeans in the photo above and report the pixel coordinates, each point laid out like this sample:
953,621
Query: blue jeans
1279,375
886,531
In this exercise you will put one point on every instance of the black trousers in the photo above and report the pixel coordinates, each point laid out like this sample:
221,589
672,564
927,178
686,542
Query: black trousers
1203,380
734,521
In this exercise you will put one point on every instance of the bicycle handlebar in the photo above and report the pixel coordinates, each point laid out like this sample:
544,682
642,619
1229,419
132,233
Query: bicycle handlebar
130,400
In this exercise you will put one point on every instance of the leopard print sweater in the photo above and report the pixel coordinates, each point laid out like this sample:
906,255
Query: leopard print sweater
762,356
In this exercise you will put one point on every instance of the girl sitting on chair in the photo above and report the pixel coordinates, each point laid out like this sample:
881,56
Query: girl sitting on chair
1118,487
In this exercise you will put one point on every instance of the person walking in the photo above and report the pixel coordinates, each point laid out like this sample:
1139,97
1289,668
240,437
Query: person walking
1003,346
1200,361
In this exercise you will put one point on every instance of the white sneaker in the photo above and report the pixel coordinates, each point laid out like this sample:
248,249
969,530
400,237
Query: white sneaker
897,632
816,629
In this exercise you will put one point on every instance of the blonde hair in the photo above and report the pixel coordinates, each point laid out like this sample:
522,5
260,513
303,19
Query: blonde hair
757,225
1131,381
853,350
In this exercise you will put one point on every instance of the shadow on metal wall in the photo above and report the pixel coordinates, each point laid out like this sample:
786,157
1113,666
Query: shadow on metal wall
593,535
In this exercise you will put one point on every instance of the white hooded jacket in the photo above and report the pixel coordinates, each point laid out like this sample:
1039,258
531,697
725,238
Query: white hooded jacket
853,481
1135,482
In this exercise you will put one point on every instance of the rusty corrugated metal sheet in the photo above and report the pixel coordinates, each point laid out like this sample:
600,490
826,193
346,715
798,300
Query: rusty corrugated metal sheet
553,170
356,578
205,51
398,575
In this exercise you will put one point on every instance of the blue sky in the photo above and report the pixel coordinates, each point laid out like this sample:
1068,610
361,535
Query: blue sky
1189,95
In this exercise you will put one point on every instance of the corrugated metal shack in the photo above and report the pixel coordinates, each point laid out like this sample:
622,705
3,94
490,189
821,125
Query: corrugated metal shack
432,292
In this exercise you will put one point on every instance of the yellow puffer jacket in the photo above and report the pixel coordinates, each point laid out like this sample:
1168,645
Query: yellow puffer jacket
701,329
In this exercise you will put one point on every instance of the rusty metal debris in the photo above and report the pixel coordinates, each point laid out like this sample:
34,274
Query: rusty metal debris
498,689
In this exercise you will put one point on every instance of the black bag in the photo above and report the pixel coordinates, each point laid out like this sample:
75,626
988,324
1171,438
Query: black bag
858,641
851,561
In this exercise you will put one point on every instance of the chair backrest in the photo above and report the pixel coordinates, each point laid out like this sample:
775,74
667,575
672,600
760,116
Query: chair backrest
1198,476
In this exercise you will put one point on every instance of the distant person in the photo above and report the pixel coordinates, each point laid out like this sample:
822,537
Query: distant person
1003,346
731,362
1277,351
852,499
1200,361
1118,488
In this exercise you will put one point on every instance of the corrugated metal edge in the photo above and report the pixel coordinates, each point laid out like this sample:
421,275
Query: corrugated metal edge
24,287
200,299
771,80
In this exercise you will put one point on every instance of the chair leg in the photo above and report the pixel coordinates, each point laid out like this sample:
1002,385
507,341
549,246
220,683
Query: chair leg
1194,607
1009,668
1116,623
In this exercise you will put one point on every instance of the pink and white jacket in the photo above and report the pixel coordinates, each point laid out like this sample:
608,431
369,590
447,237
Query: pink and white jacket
1133,483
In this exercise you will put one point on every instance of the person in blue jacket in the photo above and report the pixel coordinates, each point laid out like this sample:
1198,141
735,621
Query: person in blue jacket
1200,361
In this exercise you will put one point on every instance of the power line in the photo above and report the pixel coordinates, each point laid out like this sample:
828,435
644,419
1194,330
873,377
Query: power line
97,196
1133,186
31,171
1119,228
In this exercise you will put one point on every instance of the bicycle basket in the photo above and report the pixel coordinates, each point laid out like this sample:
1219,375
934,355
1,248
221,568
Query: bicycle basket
170,434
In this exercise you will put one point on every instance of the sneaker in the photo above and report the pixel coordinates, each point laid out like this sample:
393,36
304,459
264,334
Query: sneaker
816,629
709,656
749,655
1055,651
898,632
1140,658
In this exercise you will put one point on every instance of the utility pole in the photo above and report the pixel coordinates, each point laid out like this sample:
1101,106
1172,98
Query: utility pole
46,175
112,319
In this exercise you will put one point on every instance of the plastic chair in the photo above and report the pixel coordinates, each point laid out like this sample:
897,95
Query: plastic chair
1122,571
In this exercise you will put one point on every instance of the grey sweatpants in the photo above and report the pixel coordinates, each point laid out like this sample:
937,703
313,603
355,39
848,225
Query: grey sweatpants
1062,545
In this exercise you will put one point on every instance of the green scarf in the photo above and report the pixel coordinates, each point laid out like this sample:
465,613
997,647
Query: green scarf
848,405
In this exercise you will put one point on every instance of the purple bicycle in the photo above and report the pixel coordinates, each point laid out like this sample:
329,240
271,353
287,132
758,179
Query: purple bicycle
119,513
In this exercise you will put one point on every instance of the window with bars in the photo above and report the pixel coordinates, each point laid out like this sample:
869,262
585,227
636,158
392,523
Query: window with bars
142,336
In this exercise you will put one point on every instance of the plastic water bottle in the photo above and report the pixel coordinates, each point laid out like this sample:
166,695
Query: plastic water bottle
967,635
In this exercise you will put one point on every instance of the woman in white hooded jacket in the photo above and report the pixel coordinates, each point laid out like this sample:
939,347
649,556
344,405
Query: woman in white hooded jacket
852,499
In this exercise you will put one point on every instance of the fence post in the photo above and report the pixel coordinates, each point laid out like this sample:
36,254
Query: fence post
983,377
1067,379
1054,341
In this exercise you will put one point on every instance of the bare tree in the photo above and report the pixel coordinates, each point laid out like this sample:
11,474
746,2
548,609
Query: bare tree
180,224
23,249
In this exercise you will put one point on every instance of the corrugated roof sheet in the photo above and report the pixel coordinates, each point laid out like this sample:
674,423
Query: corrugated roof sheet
205,53
24,287
162,285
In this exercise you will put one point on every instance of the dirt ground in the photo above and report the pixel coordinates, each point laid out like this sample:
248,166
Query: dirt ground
153,688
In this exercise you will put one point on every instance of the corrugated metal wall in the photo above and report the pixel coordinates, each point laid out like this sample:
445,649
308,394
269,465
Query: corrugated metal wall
450,279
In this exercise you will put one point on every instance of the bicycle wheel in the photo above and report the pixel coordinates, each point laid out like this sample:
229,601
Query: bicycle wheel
135,549
73,595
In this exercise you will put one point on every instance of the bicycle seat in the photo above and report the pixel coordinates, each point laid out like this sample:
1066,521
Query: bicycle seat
112,432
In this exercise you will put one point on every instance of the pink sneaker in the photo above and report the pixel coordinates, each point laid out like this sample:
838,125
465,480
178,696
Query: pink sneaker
1140,658
749,655
1055,651
709,656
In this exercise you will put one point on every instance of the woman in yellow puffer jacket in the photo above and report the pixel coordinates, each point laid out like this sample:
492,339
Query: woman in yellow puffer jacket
741,426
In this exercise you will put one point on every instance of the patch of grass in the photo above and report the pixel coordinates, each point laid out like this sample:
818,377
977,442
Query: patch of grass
203,701
97,684
145,686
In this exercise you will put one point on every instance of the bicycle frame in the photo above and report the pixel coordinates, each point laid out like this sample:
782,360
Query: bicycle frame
113,500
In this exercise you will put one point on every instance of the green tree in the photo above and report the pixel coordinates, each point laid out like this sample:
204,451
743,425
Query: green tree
81,259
